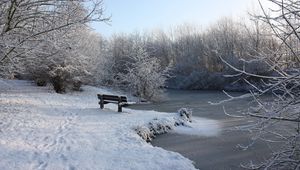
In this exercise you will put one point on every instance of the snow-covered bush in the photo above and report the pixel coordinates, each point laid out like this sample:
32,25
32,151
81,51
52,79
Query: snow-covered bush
185,114
160,126
41,82
145,133
156,127
76,84
143,74
60,76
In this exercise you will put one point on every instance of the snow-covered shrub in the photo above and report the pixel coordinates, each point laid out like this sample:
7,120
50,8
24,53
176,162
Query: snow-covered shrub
145,133
164,125
156,127
76,84
64,78
59,77
144,75
185,114
41,82
160,126
37,71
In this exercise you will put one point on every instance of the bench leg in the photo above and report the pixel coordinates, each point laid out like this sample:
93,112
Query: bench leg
119,108
101,103
119,105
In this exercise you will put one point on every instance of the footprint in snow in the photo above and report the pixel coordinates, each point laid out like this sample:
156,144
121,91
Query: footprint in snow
63,157
46,138
61,140
68,148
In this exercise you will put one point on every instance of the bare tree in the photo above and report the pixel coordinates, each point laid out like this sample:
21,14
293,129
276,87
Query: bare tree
278,120
28,26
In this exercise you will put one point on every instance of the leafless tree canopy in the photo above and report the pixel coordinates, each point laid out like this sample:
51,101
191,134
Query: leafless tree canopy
278,120
27,27
41,36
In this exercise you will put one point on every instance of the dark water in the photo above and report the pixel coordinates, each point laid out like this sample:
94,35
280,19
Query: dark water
218,152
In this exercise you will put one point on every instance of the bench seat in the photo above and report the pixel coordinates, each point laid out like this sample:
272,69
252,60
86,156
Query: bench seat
105,99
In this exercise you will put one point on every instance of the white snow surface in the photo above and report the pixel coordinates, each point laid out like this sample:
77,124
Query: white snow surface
40,129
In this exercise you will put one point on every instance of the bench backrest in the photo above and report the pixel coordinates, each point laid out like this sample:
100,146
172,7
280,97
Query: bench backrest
112,97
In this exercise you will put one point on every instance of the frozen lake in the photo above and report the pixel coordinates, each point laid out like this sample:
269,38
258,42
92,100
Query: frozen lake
210,152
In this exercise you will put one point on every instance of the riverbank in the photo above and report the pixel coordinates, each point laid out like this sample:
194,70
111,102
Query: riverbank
216,152
220,151
40,129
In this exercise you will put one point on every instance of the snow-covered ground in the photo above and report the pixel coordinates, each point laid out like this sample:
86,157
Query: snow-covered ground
40,129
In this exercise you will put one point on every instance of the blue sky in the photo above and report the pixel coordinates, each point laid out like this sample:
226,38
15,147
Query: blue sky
145,15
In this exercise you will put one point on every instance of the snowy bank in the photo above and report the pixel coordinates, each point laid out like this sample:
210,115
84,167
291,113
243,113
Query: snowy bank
40,129
180,123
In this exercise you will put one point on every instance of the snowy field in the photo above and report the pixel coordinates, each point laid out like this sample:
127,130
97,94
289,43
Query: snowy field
40,129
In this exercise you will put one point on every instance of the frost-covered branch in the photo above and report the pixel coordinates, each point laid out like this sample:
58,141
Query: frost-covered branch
278,99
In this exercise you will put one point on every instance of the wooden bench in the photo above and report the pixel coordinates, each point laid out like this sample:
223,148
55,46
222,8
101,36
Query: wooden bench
120,100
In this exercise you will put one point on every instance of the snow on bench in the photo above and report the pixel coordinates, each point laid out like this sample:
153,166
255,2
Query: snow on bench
120,100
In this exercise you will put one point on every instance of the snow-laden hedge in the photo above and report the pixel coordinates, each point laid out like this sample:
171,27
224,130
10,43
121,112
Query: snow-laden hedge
160,126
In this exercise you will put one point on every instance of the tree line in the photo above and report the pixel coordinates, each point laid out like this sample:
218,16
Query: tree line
189,57
50,42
